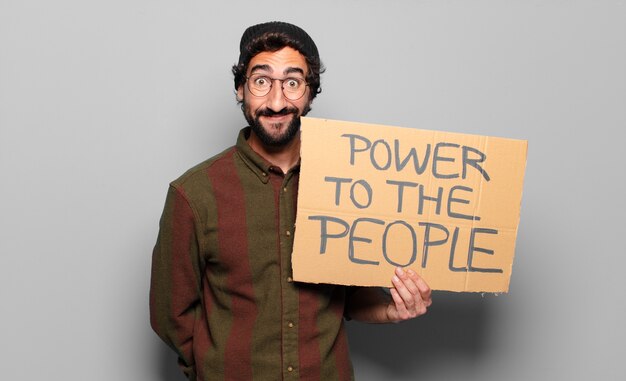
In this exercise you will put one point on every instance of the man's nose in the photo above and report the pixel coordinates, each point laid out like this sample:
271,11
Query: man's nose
275,98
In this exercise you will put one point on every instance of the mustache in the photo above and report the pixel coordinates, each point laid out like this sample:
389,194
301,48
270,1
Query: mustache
268,112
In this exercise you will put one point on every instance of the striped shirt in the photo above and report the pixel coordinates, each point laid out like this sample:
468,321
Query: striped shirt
221,291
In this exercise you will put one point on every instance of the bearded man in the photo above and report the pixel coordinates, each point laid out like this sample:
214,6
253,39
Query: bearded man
222,294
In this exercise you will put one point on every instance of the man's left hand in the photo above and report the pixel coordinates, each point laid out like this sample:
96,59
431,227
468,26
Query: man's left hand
410,295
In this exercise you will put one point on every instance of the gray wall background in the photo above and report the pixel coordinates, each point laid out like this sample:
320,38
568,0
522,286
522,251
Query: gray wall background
102,103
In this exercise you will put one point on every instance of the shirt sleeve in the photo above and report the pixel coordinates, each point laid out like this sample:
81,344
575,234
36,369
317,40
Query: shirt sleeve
175,279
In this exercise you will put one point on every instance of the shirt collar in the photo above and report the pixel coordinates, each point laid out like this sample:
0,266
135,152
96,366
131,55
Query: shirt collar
254,161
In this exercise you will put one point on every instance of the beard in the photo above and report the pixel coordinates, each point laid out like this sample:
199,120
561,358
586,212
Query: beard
270,135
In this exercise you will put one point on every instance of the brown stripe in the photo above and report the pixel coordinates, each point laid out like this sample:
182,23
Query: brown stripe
308,335
344,366
342,354
309,310
203,341
233,252
183,276
276,181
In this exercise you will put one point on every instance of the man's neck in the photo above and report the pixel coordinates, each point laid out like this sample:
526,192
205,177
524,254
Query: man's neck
284,157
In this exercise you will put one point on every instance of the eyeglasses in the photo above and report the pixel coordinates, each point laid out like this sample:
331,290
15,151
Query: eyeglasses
260,85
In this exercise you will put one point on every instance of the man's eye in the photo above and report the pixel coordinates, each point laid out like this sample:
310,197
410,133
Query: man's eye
292,83
261,82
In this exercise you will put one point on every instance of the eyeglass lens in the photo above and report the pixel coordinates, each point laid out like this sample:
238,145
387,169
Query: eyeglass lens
293,87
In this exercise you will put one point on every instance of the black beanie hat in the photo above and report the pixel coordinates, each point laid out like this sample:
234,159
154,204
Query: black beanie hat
304,42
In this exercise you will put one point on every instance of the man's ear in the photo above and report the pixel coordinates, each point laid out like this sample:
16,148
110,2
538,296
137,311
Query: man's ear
240,93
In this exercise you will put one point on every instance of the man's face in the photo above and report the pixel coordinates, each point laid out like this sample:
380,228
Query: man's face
274,118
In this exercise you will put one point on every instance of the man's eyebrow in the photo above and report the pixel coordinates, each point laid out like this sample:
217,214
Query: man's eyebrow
268,68
291,70
261,67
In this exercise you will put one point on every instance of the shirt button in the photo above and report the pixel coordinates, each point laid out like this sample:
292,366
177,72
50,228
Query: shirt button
285,189
288,233
289,279
290,324
290,368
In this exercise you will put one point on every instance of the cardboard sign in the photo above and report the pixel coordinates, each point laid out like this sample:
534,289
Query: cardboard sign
372,197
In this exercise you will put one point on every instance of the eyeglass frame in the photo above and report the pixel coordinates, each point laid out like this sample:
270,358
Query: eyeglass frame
272,80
